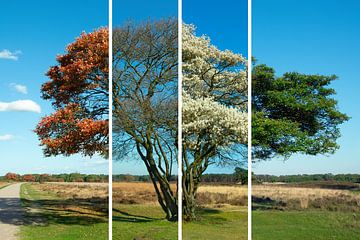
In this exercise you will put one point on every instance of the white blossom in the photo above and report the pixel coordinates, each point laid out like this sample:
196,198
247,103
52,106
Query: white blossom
214,93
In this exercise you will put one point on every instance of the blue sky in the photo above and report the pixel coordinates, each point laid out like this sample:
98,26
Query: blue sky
226,25
33,33
314,37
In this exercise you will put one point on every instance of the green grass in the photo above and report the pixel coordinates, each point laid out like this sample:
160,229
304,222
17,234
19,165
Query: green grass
49,217
307,224
146,222
141,222
228,223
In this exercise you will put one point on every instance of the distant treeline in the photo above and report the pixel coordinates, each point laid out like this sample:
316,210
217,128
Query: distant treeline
72,177
354,178
137,178
239,176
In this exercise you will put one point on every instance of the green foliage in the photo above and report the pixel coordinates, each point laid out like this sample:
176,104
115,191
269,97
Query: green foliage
137,178
294,113
351,178
241,175
64,177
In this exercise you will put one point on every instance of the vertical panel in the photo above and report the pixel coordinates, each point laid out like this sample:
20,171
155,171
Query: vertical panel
215,120
305,172
145,119
54,117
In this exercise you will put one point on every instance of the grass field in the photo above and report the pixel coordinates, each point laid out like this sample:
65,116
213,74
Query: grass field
305,211
222,214
64,211
226,223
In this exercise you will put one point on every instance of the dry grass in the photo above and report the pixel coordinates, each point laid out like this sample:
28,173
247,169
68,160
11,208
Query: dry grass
135,192
291,197
90,199
143,193
222,194
75,190
3,184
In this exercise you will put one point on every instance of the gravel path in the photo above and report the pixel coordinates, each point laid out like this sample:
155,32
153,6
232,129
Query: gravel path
11,212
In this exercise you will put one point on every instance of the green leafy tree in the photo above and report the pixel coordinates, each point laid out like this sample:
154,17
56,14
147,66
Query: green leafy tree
294,113
241,175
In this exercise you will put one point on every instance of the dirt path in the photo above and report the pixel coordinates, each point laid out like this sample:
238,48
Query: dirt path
11,212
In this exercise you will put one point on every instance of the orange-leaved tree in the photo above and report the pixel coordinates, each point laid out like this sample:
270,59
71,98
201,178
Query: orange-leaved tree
12,177
78,91
29,178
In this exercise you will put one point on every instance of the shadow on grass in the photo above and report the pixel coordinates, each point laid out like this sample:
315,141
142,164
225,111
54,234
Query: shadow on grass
205,211
128,217
210,215
69,212
266,203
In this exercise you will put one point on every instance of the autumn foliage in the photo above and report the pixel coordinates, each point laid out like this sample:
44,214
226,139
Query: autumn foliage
29,178
12,177
78,90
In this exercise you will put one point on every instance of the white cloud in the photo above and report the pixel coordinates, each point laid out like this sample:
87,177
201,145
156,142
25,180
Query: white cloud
6,54
19,88
20,106
6,137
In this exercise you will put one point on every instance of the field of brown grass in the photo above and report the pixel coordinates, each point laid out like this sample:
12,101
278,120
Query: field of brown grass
143,193
285,196
135,193
3,184
74,190
83,198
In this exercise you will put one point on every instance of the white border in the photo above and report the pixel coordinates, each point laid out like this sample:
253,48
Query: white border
249,120
110,120
179,119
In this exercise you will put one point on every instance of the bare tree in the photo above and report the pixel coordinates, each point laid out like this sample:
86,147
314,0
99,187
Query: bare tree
145,101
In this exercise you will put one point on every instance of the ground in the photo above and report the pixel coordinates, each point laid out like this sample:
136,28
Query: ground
226,223
222,214
316,211
11,211
64,211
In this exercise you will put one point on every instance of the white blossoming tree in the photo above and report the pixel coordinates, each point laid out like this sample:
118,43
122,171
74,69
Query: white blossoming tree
214,111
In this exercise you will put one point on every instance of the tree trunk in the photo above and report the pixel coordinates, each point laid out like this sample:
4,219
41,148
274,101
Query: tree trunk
189,207
189,196
165,195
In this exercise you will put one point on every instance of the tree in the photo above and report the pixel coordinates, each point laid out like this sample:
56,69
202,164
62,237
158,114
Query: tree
241,175
145,101
43,178
12,177
29,178
294,113
76,177
78,90
92,178
214,111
